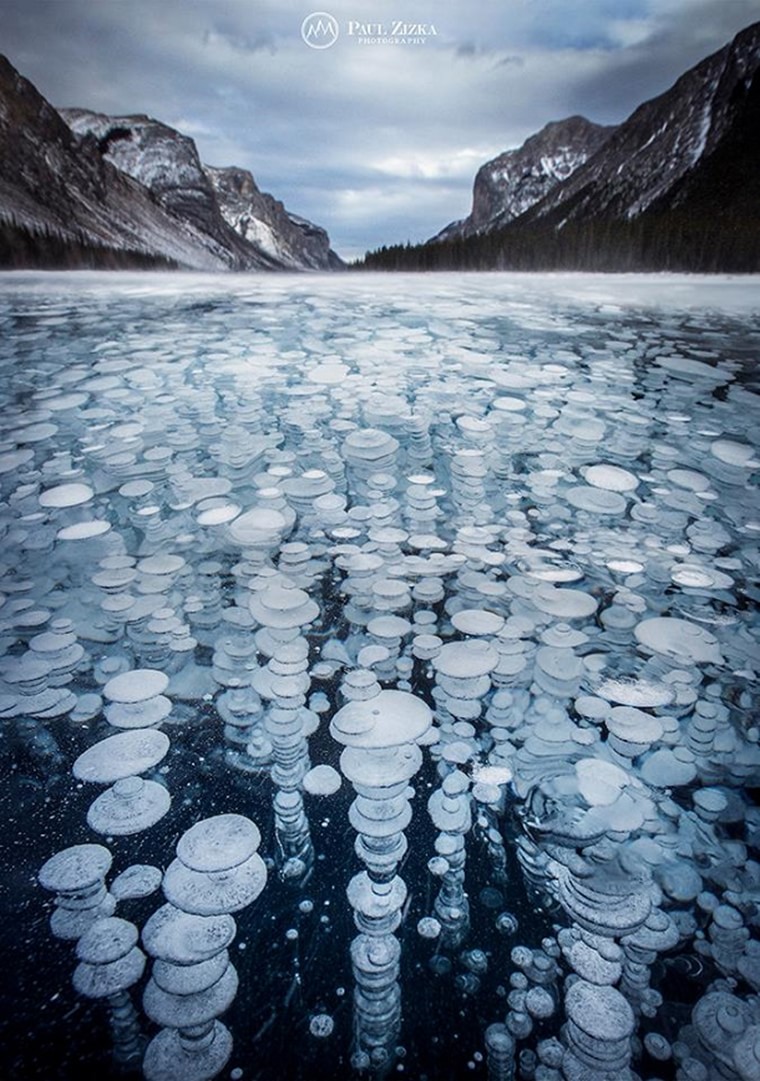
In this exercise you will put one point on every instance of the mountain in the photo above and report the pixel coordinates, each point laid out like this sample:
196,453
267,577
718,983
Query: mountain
262,220
166,164
224,204
61,203
516,180
676,186
80,188
665,140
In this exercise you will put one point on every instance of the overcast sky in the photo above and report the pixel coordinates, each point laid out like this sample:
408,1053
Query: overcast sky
377,142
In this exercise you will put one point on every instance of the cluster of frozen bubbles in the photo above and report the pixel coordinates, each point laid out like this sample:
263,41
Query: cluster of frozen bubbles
520,557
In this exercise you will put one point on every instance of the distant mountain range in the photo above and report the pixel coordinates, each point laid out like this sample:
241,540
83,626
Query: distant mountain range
78,188
675,187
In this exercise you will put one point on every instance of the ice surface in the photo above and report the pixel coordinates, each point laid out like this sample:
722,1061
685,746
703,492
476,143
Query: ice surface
139,685
487,543
119,756
130,806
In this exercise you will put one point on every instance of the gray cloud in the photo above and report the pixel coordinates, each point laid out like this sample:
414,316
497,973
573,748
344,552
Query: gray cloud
510,61
676,41
246,43
377,143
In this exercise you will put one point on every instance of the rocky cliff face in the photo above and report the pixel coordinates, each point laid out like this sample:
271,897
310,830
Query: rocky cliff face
262,220
57,186
663,142
516,180
224,204
79,187
166,163
675,187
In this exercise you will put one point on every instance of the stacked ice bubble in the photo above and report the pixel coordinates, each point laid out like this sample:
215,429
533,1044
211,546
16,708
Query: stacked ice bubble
499,551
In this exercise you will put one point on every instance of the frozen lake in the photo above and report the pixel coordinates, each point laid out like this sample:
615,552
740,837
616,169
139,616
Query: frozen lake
378,677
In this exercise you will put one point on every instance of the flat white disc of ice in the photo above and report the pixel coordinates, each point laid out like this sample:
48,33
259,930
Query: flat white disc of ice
466,660
130,806
691,576
219,515
634,725
75,869
491,775
599,782
512,380
389,719
477,621
688,478
139,880
258,525
730,452
66,495
507,404
625,566
669,768
565,603
688,368
218,843
678,638
611,478
601,1012
137,685
643,693
14,459
596,500
186,939
83,530
122,755
328,374
322,781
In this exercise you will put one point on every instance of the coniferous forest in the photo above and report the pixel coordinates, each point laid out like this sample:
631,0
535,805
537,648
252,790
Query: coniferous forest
668,241
45,249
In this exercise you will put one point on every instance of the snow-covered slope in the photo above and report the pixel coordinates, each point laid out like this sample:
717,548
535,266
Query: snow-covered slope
263,220
56,185
78,186
516,180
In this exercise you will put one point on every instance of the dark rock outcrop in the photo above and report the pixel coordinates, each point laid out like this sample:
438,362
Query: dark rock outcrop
58,187
664,141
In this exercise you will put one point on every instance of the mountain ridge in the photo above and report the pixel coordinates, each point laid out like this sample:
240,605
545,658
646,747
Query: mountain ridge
664,137
509,184
78,187
258,216
655,195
